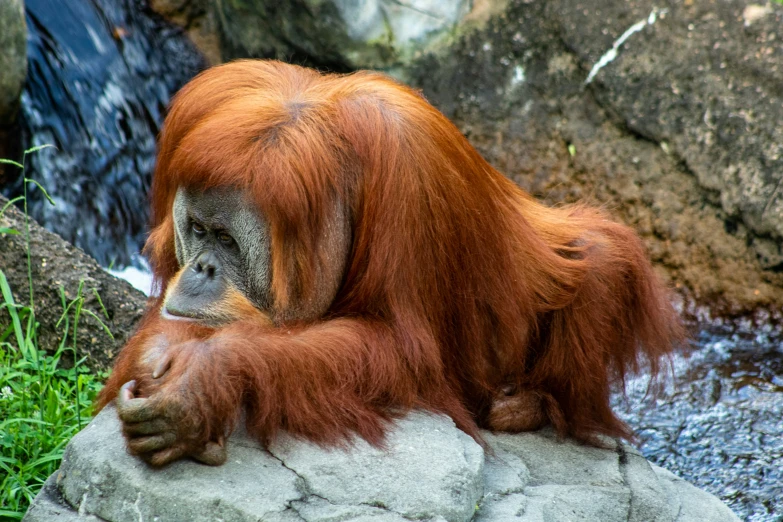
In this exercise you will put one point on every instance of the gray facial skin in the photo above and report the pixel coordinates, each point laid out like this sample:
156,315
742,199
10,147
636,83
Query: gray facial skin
222,241
221,227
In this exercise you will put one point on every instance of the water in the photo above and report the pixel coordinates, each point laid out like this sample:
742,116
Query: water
138,275
101,73
719,423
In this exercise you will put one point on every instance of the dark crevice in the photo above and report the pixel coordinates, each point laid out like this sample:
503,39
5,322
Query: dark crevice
622,461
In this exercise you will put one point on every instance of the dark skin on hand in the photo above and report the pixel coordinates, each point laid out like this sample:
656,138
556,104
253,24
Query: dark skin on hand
332,253
154,430
151,429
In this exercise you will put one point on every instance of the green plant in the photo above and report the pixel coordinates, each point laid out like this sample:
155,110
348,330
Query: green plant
42,403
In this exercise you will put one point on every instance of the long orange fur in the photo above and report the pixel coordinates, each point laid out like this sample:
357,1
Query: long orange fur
457,284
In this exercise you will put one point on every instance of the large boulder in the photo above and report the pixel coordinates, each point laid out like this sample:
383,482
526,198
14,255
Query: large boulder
428,471
341,34
346,33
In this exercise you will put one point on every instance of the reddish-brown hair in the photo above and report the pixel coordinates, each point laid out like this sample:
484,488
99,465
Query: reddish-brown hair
457,283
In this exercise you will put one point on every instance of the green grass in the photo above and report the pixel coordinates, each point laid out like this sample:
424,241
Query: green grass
42,403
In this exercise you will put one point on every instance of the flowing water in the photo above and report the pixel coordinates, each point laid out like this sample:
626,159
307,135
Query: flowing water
100,75
719,421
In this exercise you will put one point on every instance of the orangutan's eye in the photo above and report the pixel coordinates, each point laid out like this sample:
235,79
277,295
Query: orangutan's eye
199,229
225,238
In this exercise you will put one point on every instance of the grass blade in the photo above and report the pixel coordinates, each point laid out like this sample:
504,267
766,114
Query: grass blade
11,162
31,180
8,298
10,202
38,147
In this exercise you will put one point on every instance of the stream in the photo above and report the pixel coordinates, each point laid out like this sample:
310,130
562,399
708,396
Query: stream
101,73
719,421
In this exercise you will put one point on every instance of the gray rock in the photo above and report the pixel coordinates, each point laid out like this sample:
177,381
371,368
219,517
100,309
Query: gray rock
50,506
650,501
100,478
398,22
318,510
344,33
428,471
13,58
587,503
507,507
427,451
692,503
550,461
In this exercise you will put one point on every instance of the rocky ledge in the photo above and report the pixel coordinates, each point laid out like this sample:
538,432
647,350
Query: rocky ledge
429,471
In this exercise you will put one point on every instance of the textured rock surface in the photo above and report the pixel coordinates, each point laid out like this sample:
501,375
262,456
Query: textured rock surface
429,471
338,33
677,132
719,108
13,59
13,70
57,264
429,468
